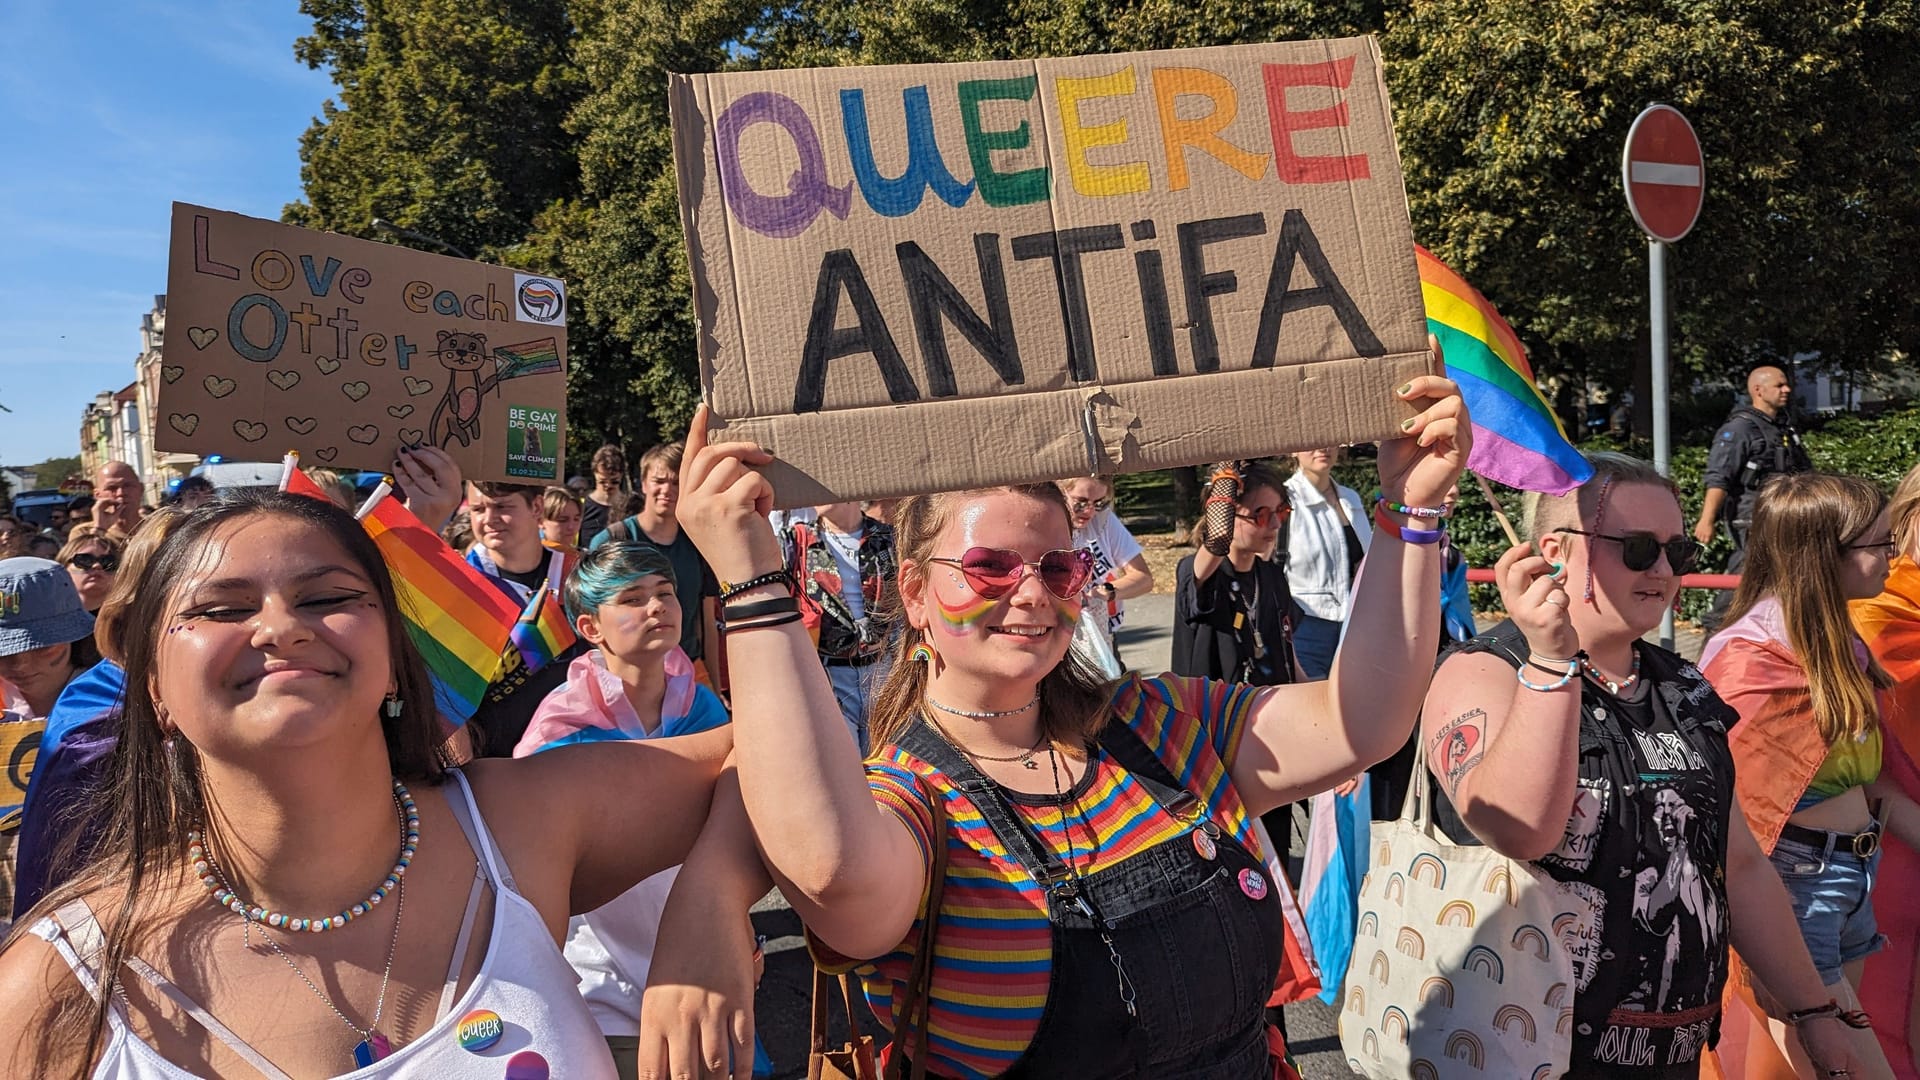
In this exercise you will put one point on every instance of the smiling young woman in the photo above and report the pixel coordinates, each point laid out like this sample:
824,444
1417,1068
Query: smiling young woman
296,881
1102,878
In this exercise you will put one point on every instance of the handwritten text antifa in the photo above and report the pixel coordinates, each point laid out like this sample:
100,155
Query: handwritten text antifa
937,305
262,337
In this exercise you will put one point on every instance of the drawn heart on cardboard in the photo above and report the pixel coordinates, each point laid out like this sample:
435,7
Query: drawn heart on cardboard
172,372
249,430
202,336
412,436
399,412
185,423
285,380
325,453
416,387
327,365
300,425
217,386
355,390
364,435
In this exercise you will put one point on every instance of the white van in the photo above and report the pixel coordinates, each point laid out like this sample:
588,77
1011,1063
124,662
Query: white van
234,475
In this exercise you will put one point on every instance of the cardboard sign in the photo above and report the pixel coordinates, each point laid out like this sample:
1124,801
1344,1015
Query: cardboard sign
19,751
930,277
347,350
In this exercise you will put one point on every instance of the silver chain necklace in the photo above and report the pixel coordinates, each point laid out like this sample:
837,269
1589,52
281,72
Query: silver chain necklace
969,714
1080,900
1025,757
373,1046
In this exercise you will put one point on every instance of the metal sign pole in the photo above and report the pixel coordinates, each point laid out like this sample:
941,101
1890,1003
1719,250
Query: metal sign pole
1662,434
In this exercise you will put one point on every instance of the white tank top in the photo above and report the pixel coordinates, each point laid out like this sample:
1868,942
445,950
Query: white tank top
546,1030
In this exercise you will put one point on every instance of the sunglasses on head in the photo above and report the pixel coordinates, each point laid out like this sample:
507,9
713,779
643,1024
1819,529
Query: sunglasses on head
1265,515
86,561
995,572
1077,504
1640,550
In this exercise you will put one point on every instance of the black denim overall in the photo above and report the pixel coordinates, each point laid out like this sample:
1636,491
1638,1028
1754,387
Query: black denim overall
1162,965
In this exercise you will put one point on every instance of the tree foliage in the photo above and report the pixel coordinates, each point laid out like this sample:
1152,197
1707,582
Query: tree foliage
536,132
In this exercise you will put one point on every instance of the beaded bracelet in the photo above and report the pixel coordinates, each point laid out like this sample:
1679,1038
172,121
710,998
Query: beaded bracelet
1415,511
1402,533
729,590
1573,668
777,605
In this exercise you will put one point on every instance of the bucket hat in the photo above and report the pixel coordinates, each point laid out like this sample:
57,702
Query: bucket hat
39,606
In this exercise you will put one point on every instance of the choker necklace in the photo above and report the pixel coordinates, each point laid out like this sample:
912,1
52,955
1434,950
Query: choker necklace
1025,757
985,715
224,895
1614,688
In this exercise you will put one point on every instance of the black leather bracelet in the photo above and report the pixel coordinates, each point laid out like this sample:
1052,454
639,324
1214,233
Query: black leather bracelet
757,624
729,590
776,605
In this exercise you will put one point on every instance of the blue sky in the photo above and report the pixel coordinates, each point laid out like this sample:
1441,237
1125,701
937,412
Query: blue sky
109,112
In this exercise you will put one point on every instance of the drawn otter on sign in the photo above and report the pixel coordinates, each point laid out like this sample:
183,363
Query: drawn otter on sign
457,416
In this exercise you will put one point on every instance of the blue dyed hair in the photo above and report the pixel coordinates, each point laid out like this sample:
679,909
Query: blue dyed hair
603,572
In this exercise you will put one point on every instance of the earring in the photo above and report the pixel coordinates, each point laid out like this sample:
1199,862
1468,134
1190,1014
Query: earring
391,707
922,653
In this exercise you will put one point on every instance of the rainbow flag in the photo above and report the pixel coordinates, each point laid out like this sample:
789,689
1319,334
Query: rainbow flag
542,631
1517,439
459,621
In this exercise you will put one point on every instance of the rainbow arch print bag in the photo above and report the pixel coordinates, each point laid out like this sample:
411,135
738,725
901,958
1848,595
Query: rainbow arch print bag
1457,971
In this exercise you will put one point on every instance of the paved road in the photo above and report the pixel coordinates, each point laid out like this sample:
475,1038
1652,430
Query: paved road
783,1002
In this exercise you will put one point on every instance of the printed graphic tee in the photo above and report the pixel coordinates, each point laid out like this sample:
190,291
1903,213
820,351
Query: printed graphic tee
1113,547
1646,845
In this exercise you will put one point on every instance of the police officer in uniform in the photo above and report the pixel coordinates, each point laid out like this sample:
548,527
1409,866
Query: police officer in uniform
1756,443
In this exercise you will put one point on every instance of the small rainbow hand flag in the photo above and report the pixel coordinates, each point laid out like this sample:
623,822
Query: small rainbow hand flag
1517,439
542,631
457,620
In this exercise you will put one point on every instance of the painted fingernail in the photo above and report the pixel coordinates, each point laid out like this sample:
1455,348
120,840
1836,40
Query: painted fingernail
1405,390
1407,424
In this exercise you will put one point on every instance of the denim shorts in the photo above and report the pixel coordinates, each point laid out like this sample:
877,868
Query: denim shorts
1832,899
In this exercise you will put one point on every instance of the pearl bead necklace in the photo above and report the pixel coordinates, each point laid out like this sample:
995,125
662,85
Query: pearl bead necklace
227,898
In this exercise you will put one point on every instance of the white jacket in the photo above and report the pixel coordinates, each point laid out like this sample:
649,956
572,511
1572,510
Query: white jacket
1317,548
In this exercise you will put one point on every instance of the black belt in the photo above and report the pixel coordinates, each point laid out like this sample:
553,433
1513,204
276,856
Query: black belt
1862,844
851,661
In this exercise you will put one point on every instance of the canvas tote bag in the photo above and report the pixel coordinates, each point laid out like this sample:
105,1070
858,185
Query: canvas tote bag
1457,970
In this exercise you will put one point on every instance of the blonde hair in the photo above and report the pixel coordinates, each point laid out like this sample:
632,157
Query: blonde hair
1800,532
139,551
1541,514
1904,509
1075,699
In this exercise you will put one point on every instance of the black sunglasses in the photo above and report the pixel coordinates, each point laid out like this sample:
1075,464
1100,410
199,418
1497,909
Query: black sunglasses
88,561
1640,550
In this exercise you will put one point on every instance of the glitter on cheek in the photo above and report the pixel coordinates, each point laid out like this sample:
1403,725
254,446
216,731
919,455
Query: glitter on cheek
1068,610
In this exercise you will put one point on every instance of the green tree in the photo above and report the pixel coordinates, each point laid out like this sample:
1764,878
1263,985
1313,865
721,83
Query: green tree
1511,116
448,121
52,471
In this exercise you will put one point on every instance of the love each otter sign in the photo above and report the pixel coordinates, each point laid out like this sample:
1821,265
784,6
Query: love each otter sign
349,349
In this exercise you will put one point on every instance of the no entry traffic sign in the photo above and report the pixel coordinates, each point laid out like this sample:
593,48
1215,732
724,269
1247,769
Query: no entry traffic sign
1663,173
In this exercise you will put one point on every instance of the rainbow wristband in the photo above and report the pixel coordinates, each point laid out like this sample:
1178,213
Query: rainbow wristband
1404,534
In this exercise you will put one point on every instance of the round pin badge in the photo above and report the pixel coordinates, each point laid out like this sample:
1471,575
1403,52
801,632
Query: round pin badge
480,1029
1204,844
527,1065
1253,884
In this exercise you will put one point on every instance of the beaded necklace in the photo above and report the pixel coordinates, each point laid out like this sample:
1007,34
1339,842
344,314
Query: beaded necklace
1614,688
373,1046
227,898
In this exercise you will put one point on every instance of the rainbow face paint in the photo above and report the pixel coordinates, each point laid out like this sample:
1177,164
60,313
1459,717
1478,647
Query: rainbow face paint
959,618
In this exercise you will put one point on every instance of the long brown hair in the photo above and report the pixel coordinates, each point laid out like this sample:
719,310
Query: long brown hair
1075,698
1799,537
153,793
